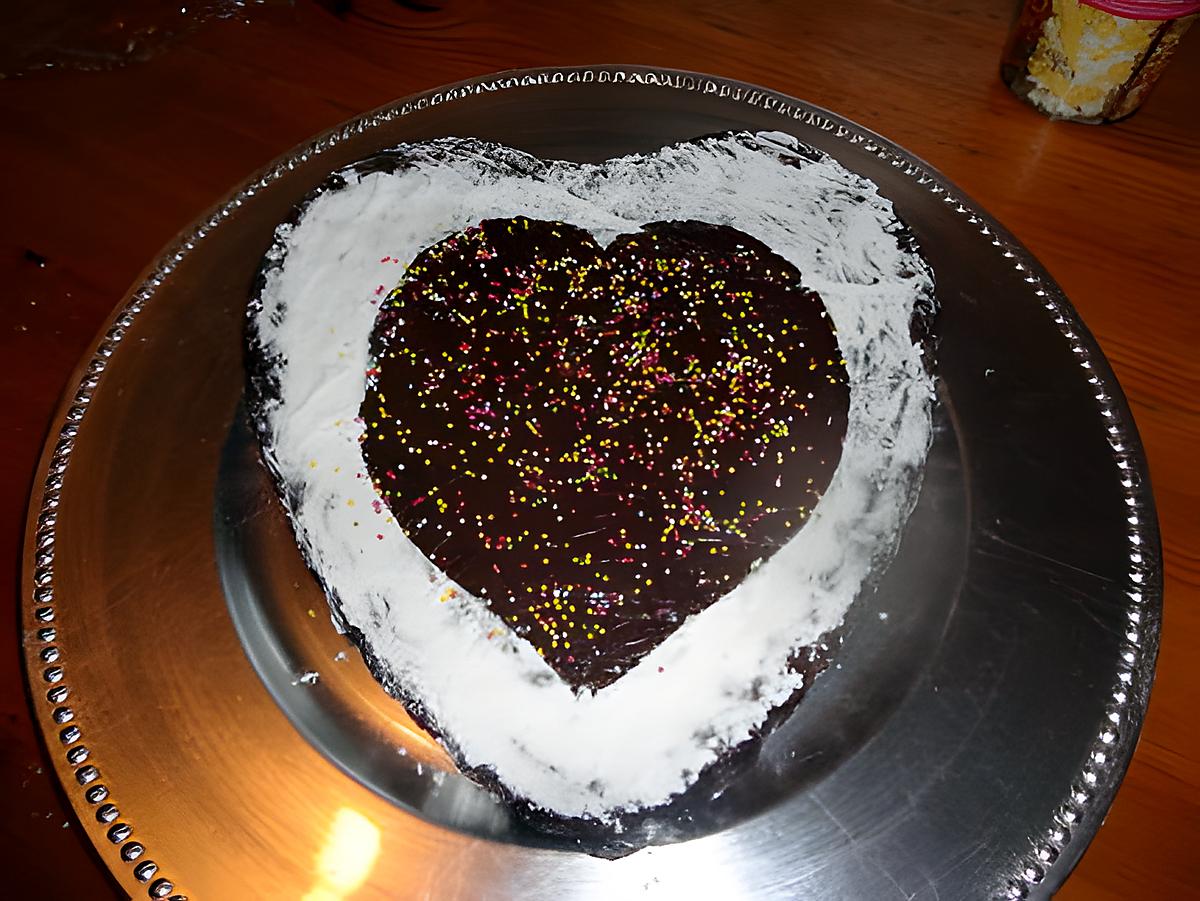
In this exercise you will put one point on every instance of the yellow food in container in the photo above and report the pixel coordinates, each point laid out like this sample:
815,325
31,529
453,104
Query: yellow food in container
1092,60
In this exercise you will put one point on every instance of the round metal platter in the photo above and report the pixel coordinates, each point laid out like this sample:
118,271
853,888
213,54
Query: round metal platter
966,743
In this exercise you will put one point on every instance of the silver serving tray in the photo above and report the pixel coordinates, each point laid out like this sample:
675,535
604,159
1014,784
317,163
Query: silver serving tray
966,743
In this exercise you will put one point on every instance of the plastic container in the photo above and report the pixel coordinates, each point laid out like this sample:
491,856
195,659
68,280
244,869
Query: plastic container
1092,61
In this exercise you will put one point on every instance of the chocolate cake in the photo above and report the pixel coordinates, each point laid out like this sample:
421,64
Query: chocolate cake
589,457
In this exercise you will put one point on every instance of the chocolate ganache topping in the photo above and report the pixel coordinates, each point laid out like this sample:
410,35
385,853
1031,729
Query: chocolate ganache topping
598,442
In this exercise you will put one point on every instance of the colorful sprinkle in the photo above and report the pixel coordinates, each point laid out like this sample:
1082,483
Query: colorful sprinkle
626,431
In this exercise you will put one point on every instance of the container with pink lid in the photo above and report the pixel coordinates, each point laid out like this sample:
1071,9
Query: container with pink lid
1092,60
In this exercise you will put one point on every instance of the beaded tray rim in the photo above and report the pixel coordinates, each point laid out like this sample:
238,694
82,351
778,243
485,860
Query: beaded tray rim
1053,848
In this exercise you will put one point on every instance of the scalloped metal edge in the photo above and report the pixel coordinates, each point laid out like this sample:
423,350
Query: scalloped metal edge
1123,710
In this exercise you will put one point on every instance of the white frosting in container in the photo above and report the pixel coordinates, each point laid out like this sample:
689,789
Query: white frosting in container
494,702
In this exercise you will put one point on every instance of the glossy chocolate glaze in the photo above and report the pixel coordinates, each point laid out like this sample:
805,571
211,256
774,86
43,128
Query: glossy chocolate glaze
600,442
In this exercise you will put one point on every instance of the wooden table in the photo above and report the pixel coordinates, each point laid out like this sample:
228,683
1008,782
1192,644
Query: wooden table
99,170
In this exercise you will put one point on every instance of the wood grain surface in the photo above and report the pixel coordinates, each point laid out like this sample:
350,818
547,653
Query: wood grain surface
99,169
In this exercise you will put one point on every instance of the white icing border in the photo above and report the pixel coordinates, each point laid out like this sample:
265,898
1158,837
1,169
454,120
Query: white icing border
642,739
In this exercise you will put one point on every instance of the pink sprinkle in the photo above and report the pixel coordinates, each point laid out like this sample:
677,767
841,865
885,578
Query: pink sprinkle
379,536
660,669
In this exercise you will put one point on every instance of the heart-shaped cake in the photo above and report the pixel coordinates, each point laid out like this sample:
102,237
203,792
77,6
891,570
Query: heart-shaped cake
600,442
588,457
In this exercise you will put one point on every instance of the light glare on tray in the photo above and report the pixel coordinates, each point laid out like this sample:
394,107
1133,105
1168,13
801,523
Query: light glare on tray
347,857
